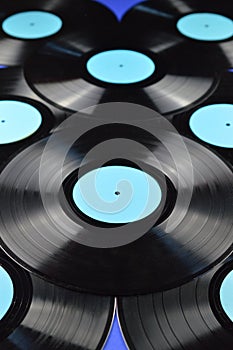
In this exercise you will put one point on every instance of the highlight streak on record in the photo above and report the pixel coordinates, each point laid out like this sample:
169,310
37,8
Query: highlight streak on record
89,17
181,318
53,240
58,73
53,317
158,29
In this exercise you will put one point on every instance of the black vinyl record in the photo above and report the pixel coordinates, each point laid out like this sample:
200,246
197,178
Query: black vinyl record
221,96
188,233
43,316
76,16
189,317
59,74
158,30
13,87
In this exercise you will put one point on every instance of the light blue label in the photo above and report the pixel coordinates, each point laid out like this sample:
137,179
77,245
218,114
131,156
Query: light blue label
18,120
117,194
6,292
206,26
120,66
226,295
214,124
32,25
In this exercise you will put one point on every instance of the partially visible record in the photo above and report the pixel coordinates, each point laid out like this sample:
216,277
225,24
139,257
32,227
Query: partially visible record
189,317
158,30
211,122
190,231
60,73
43,316
25,117
74,16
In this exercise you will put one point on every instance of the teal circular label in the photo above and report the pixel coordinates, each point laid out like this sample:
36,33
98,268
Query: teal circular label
206,26
18,120
214,124
117,194
32,25
120,66
6,292
226,293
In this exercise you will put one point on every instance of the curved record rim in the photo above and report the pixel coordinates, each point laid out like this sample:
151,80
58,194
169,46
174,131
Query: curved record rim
158,31
46,316
50,240
22,296
221,95
14,87
163,16
185,317
89,17
59,75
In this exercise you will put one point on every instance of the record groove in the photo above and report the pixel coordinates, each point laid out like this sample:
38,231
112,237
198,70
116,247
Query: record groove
45,316
53,240
181,318
58,73
222,95
89,17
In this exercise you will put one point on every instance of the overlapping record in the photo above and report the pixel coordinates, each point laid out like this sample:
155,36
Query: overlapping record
218,135
76,16
58,73
16,99
43,316
158,30
181,318
190,232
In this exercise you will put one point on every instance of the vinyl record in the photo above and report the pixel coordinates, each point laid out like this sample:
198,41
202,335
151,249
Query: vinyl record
17,41
75,73
43,316
25,117
158,30
189,317
190,230
214,128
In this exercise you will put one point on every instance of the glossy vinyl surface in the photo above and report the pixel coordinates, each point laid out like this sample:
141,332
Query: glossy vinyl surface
173,256
211,128
179,318
45,316
58,73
